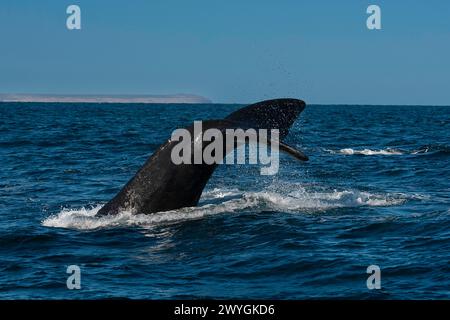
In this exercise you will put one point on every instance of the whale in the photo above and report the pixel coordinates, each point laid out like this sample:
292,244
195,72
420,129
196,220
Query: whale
161,185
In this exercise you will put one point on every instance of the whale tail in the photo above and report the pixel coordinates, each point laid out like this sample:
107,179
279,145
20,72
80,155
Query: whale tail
270,114
162,185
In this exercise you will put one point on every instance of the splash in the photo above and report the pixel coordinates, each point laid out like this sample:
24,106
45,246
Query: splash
427,149
292,199
369,152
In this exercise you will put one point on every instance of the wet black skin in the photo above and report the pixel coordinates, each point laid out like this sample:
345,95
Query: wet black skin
161,185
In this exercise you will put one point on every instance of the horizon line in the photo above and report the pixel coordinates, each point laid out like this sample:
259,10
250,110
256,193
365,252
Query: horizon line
229,103
176,98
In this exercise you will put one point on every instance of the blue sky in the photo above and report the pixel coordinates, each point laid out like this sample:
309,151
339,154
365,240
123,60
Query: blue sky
230,51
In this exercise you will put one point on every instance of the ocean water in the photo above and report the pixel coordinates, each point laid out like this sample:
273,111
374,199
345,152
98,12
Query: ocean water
376,191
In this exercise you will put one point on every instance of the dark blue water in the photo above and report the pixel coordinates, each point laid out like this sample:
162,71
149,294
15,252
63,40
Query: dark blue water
376,191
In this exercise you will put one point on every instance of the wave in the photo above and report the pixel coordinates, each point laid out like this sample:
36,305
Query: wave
368,152
428,150
299,200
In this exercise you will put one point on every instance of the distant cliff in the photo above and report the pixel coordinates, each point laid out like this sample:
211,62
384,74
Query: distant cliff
175,98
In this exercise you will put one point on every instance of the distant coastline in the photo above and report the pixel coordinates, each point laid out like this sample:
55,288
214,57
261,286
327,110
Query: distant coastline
175,98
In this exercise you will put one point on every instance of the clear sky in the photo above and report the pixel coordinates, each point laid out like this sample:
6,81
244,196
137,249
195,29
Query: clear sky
230,51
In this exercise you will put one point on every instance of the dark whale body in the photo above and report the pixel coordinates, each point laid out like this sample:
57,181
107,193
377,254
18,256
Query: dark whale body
161,185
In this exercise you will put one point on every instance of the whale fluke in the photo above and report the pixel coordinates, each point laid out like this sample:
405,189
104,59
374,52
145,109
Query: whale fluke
161,185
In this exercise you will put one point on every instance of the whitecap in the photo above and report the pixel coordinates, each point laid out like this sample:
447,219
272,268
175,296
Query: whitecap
288,198
368,152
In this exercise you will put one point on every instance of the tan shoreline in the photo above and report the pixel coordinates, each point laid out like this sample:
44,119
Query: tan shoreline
176,98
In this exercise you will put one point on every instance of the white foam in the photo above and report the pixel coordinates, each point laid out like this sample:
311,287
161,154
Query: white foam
293,199
368,152
218,193
308,201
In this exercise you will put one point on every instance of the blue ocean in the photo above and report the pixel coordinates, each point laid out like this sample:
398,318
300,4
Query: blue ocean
376,191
